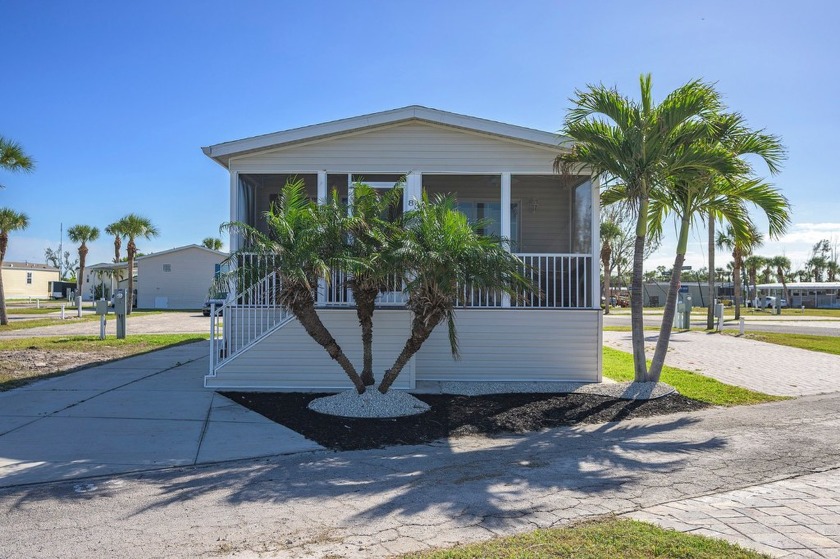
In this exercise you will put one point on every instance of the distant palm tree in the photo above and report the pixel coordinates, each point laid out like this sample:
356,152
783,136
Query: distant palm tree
213,243
753,265
782,266
10,220
82,234
133,227
833,269
13,158
610,233
741,246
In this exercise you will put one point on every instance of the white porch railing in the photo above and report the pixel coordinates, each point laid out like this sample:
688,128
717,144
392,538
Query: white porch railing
562,282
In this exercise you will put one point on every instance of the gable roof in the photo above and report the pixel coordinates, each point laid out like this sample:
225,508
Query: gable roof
29,266
178,249
222,153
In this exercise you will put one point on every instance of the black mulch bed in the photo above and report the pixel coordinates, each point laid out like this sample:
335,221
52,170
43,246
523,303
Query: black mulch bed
453,416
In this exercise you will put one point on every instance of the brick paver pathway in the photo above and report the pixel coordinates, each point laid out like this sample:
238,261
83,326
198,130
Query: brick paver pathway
768,368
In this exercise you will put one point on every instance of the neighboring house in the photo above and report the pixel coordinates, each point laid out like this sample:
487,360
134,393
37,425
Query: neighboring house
23,280
496,171
810,294
655,292
179,278
101,279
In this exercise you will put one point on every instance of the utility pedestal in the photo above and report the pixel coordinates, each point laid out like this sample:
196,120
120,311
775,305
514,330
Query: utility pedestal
101,308
120,306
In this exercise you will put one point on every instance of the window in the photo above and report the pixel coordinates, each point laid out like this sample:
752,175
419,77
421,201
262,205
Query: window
28,278
492,212
167,267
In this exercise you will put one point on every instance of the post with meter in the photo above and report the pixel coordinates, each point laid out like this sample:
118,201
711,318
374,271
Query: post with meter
120,307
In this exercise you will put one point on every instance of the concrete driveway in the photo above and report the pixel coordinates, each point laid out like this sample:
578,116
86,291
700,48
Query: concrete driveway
175,322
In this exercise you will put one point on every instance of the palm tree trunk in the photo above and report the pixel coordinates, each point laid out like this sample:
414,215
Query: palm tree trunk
83,250
420,332
304,309
781,274
637,326
670,306
710,315
365,299
736,281
4,242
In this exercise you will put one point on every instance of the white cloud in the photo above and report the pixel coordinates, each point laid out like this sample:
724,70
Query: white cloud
811,233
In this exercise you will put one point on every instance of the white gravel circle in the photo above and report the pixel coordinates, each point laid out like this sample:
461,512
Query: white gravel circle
370,404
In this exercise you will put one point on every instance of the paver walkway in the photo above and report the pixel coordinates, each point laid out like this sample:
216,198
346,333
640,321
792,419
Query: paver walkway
761,366
796,517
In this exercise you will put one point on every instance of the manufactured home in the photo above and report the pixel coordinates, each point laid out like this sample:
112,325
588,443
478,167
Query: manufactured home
498,172
23,280
178,278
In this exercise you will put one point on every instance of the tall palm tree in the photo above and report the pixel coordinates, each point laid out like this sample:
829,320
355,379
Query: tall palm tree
741,243
114,229
641,145
304,240
134,227
82,234
13,158
610,232
10,220
752,264
440,253
213,243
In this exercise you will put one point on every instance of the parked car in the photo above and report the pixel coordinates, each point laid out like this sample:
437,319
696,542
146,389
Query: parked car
770,302
219,299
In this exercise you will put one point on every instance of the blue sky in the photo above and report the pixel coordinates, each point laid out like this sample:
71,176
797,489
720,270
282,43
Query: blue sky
115,99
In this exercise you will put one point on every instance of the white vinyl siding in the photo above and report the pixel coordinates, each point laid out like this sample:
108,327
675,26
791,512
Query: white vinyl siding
516,345
495,345
403,148
289,359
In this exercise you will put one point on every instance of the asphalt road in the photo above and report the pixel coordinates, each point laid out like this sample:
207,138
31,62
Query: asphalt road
806,325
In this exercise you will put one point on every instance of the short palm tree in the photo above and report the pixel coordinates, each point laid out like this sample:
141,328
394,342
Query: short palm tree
13,158
10,220
641,145
833,270
213,243
82,234
753,264
440,252
306,243
610,233
134,227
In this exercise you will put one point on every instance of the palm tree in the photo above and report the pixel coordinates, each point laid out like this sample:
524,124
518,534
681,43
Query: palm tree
640,145
782,266
213,243
13,158
815,266
82,234
10,220
833,269
440,253
689,199
133,227
368,265
752,264
306,243
610,232
741,244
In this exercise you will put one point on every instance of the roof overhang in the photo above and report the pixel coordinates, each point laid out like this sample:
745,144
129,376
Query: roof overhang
222,153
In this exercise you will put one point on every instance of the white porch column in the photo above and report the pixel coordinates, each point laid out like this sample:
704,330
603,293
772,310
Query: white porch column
321,295
350,190
235,238
505,224
322,187
596,243
413,190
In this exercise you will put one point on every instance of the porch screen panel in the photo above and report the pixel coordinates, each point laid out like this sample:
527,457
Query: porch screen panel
266,190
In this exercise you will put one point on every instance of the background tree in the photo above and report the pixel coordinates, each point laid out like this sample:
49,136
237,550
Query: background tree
610,233
213,243
82,234
440,253
640,145
753,265
10,220
114,230
741,243
134,227
65,264
13,158
782,266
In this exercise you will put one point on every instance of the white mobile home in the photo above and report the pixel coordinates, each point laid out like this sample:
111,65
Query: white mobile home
496,171
179,278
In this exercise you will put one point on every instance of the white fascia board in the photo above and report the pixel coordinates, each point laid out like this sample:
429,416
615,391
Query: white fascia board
177,249
222,153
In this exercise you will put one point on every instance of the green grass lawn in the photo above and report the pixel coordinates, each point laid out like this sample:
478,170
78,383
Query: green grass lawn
825,344
618,366
23,360
54,321
605,539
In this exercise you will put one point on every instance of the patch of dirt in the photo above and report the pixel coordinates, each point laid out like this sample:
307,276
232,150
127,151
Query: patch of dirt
453,416
19,367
